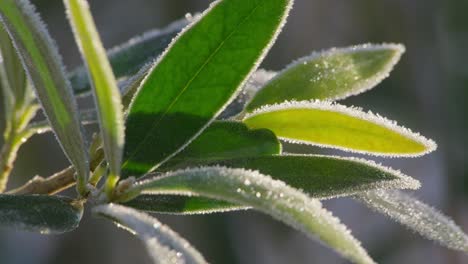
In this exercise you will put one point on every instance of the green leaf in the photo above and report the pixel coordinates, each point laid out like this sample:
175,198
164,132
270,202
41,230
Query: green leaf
106,92
417,216
15,77
336,126
163,244
334,74
40,213
199,74
128,58
321,177
183,205
42,63
261,192
226,140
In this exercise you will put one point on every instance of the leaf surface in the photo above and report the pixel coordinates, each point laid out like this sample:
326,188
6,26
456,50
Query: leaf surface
163,244
226,140
332,75
106,92
199,74
336,126
128,58
417,216
261,192
39,213
44,68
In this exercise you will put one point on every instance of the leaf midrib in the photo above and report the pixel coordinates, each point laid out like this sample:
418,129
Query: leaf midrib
189,82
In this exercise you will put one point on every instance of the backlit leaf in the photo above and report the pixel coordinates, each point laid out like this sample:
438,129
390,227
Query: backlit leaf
199,74
106,92
336,126
333,74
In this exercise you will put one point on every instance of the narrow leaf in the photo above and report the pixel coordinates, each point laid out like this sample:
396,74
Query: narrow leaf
163,244
226,140
44,68
128,58
39,213
106,92
15,77
417,216
183,205
270,196
199,74
333,74
336,126
321,177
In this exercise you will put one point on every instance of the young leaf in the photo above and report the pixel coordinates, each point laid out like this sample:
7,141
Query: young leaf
336,126
127,59
417,216
44,68
183,205
270,196
106,92
40,213
226,140
198,75
334,74
163,244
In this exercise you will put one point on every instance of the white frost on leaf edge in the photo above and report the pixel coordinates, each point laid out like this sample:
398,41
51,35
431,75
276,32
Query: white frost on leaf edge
193,21
163,244
273,197
352,112
417,216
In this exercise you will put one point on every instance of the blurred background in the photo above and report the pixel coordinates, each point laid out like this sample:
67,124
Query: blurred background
427,92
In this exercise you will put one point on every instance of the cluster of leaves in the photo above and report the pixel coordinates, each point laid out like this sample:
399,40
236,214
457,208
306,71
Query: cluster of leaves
199,129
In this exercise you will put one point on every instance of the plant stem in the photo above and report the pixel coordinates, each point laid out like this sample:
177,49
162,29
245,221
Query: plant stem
55,183
7,157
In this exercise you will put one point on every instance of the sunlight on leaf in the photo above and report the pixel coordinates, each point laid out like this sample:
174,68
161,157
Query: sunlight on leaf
163,244
263,193
170,112
44,67
39,213
417,216
333,74
336,126
106,92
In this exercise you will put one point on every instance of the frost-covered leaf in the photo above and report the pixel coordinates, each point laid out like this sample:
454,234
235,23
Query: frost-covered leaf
226,140
321,177
44,68
263,193
39,213
169,112
417,216
333,74
163,244
128,58
184,205
106,92
336,126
